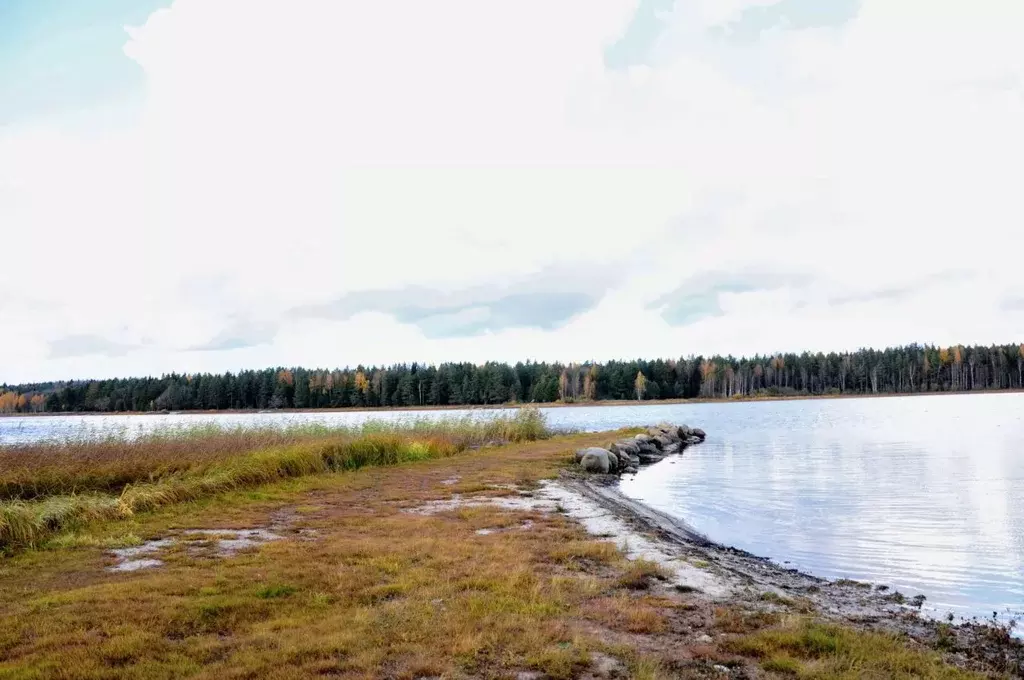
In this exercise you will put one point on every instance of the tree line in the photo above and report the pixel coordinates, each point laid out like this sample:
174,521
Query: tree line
899,370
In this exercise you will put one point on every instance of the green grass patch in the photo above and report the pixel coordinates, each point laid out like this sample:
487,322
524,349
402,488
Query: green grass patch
807,649
275,591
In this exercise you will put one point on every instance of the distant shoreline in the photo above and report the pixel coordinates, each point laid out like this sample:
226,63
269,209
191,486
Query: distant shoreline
493,407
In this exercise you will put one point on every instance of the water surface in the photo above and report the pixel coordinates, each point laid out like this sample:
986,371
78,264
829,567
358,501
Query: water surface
925,494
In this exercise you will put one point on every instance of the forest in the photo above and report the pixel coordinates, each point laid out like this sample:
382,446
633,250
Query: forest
900,370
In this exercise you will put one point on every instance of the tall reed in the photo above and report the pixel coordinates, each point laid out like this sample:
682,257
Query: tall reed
54,486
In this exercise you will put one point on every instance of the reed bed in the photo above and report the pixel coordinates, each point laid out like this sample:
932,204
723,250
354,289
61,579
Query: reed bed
53,486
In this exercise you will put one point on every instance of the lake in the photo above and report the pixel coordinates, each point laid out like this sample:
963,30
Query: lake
924,494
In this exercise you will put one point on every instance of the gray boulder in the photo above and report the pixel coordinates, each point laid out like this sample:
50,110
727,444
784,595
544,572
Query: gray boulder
648,448
613,462
698,433
663,442
664,430
651,457
631,469
625,447
642,439
595,460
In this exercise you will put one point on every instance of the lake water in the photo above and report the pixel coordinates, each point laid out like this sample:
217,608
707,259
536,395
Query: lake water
924,494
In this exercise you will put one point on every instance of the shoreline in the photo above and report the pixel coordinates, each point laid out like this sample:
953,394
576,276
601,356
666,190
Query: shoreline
736,577
515,405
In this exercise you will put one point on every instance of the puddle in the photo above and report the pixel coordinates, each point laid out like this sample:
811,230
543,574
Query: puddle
128,558
525,526
227,543
135,565
146,548
232,541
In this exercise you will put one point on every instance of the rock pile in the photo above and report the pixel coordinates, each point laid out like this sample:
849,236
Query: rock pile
627,455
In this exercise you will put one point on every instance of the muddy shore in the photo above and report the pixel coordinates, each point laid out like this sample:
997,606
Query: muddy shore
728,575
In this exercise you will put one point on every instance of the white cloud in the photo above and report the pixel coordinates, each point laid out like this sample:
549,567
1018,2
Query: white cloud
288,153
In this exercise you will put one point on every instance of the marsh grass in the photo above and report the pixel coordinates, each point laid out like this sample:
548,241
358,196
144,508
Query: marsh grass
82,463
54,486
807,649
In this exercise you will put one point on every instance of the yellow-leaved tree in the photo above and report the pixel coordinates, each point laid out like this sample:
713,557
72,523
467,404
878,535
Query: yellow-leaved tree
640,384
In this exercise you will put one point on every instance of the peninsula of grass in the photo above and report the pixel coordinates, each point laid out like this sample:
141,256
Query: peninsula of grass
362,582
53,486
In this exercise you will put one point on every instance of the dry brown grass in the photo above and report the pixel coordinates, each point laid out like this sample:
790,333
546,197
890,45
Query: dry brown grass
381,593
641,575
77,482
629,614
739,620
80,464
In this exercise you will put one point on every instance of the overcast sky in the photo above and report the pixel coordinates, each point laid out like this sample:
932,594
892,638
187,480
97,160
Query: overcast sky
221,184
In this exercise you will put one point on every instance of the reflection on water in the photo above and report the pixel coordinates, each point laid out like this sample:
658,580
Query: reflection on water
925,494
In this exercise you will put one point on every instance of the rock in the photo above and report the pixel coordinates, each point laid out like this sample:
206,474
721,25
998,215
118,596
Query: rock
627,455
663,442
595,460
665,430
656,431
650,448
705,639
625,446
613,462
607,666
698,433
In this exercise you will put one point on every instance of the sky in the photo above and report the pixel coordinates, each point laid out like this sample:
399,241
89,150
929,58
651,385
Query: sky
211,185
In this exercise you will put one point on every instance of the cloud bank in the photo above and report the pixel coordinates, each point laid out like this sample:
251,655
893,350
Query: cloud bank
326,183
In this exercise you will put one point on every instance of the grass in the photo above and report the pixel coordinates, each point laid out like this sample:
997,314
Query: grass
53,487
274,591
642,573
379,593
629,614
807,649
775,598
82,463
